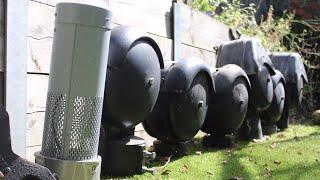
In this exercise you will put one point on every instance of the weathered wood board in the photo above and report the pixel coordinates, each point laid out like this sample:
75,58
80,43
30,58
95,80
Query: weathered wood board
200,33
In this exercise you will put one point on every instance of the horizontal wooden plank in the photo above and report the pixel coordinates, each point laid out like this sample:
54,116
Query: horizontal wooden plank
154,6
188,51
30,152
37,87
41,25
39,55
144,15
150,15
200,30
35,122
39,52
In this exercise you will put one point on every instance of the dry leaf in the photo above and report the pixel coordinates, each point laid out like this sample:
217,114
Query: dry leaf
250,159
281,136
255,140
250,149
273,145
224,162
210,173
277,162
267,172
166,172
185,168
198,153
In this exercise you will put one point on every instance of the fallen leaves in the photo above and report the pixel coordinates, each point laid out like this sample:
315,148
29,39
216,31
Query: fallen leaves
267,171
281,136
277,162
166,172
209,173
162,168
185,168
273,145
250,149
198,153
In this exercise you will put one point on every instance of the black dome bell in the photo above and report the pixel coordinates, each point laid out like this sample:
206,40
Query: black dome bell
272,115
133,77
292,68
228,105
132,88
249,54
183,101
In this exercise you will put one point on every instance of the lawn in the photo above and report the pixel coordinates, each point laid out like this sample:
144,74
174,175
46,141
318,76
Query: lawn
292,154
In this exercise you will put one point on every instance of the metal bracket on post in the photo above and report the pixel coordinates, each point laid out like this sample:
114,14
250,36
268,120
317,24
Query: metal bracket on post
176,30
16,71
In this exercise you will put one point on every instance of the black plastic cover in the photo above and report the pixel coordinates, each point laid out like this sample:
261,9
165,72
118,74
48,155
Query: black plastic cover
248,53
274,112
133,78
290,65
183,101
228,106
292,68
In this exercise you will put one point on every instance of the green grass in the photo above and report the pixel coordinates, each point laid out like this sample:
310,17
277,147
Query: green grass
292,154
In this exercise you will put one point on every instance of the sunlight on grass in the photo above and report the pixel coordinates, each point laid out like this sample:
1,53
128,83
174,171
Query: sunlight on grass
292,154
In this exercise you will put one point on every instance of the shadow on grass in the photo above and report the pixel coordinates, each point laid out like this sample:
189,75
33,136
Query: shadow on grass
236,162
296,171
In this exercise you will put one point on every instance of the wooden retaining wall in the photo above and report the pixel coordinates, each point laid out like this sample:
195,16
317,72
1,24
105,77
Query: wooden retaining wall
199,35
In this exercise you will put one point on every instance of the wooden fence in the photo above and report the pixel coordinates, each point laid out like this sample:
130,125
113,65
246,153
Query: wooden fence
199,35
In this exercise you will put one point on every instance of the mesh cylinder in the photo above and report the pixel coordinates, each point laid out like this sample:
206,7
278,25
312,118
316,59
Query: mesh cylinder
77,80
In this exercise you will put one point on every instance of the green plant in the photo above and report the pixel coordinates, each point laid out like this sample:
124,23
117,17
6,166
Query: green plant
277,33
271,31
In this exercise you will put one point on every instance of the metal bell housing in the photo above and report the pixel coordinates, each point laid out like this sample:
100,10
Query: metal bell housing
183,101
249,54
228,105
274,112
292,68
133,77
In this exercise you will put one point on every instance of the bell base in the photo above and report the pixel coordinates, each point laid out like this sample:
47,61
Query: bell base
71,170
123,156
268,129
218,141
164,149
